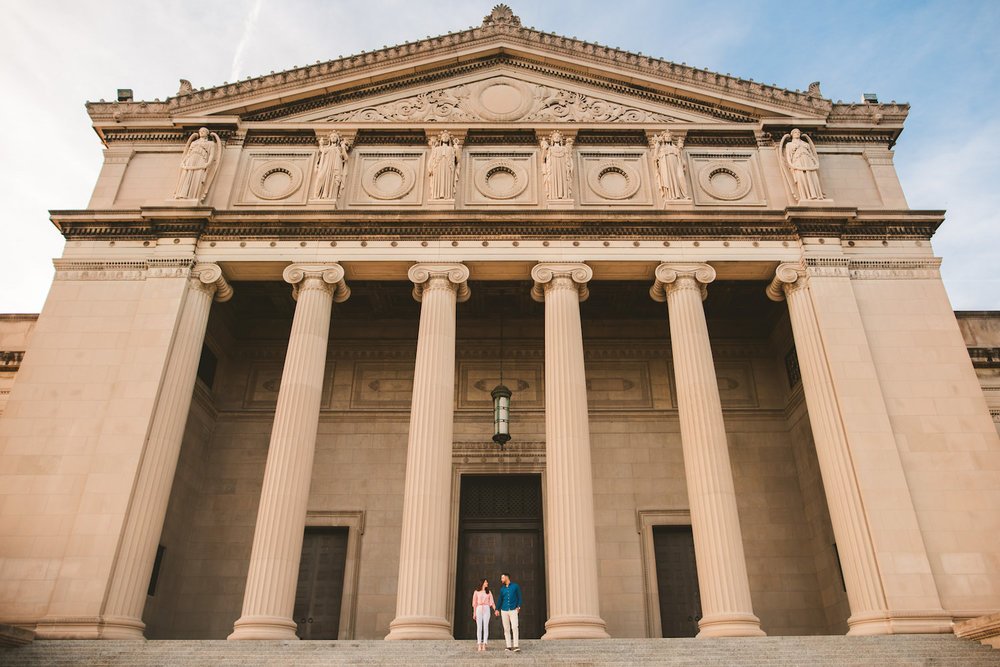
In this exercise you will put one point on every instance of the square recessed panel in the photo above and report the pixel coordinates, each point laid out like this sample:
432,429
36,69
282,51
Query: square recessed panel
382,384
386,178
476,379
500,178
613,178
618,384
275,178
264,382
725,179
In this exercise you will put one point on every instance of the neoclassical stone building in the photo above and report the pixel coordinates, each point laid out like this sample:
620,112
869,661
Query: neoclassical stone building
257,402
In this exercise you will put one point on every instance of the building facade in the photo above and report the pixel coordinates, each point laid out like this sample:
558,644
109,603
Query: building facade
257,401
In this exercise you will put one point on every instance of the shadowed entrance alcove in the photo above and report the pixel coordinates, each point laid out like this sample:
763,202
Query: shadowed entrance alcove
500,530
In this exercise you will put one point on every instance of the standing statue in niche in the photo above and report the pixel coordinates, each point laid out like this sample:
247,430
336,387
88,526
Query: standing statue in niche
330,167
443,164
557,166
198,167
801,164
670,172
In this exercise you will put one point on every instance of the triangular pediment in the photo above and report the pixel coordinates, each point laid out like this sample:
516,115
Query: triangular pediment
501,94
497,72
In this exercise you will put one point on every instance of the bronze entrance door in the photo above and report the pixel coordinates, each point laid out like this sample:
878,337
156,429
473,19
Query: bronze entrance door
500,530
677,580
320,589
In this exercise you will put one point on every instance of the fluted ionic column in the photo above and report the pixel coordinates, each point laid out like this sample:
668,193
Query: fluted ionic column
570,540
269,598
122,617
726,607
843,497
424,588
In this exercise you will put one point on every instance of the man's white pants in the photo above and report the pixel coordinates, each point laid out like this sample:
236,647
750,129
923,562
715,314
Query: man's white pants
509,619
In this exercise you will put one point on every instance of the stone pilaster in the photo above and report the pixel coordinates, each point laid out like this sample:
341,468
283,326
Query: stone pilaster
722,571
277,542
570,540
424,587
847,515
122,618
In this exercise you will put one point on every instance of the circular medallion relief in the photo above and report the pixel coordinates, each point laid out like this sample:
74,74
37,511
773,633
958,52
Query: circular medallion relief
501,179
388,179
613,179
275,180
502,99
728,181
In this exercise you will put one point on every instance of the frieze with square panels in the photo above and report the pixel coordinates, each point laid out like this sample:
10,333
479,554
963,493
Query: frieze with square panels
614,178
500,178
275,179
638,380
387,178
726,178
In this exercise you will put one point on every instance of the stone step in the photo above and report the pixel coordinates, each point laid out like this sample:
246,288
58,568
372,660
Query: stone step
881,651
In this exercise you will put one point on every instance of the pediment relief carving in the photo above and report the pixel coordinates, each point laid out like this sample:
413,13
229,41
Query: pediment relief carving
500,99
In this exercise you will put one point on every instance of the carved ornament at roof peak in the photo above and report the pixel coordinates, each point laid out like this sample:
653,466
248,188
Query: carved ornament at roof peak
502,15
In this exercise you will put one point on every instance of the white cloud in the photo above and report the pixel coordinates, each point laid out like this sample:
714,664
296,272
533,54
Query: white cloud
249,23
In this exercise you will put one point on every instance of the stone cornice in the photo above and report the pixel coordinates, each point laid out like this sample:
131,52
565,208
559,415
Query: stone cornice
336,225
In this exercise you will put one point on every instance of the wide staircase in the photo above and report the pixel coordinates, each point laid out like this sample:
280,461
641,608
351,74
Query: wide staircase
880,651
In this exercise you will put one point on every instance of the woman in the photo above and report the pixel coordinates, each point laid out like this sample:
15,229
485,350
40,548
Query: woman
482,603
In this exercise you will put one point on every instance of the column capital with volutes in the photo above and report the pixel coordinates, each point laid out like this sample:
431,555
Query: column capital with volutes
209,277
675,276
788,277
560,275
427,275
328,277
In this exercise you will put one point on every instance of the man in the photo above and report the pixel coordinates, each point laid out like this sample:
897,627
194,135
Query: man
510,606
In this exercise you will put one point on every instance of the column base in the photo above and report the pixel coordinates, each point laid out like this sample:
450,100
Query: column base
263,627
95,627
122,627
730,625
576,627
419,627
899,623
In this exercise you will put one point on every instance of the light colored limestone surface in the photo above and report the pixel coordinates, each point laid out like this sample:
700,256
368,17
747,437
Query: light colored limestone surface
161,455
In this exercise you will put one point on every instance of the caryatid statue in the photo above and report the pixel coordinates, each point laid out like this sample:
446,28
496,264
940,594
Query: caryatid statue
798,156
198,166
443,164
557,166
330,166
670,172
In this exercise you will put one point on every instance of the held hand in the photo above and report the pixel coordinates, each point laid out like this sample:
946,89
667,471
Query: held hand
497,613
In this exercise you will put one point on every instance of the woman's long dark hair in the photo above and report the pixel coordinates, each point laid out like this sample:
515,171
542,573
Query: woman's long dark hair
484,586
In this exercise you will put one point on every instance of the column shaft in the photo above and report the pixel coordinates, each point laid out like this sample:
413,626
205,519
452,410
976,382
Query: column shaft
727,610
843,497
133,565
269,598
424,589
570,539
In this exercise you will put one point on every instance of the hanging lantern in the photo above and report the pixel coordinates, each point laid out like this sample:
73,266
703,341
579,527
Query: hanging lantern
501,403
501,414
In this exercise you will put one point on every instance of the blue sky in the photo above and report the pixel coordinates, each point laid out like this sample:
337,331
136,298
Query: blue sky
941,57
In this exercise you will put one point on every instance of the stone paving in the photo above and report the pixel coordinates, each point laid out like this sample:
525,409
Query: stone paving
883,651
